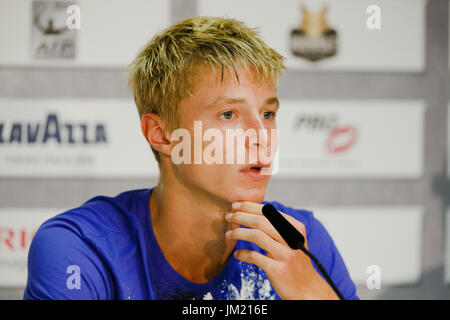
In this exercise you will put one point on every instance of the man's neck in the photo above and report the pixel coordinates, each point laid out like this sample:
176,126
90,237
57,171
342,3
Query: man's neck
190,229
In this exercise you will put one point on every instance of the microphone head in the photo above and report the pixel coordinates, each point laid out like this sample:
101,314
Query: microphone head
287,231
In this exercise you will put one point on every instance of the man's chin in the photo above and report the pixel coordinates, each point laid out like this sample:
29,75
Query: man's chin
253,194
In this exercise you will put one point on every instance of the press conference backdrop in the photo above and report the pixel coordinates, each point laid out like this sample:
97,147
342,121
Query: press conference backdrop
363,123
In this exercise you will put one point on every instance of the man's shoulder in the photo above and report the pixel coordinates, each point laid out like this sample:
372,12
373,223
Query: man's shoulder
102,214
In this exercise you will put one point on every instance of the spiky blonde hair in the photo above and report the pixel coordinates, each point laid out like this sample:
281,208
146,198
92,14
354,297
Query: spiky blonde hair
163,72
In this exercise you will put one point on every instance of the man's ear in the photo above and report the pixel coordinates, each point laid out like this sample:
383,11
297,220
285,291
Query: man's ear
153,129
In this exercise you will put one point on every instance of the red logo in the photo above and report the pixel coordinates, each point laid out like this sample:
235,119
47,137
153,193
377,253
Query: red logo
13,239
341,139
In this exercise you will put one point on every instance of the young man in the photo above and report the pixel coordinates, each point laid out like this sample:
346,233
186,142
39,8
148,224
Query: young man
200,233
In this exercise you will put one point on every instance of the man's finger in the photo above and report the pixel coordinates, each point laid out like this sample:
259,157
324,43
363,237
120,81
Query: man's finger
256,258
261,239
256,208
255,222
247,206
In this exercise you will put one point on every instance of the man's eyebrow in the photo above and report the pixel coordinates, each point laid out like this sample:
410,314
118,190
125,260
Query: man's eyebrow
273,100
227,100
224,100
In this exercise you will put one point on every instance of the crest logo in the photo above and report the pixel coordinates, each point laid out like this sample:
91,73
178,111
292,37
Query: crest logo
314,40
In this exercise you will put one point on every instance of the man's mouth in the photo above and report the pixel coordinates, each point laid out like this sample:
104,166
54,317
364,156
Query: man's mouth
254,171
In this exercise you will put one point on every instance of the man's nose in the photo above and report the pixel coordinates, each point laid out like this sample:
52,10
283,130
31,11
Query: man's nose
258,138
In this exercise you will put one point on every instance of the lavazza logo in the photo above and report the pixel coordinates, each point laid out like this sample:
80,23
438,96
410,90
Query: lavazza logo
340,138
52,130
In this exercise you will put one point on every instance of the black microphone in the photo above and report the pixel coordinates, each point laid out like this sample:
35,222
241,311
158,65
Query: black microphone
287,231
295,240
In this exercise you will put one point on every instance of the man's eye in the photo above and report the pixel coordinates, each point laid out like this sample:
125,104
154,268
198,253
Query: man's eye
268,114
227,115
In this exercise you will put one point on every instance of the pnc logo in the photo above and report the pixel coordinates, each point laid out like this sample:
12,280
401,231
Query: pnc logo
339,138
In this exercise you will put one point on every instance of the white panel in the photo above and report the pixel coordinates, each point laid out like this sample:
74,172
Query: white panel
448,140
357,139
389,237
17,228
114,31
397,46
111,33
14,15
76,137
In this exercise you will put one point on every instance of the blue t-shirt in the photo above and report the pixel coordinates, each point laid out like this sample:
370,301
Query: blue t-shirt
106,249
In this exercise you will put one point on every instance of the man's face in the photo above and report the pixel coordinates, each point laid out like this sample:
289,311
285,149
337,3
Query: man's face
222,106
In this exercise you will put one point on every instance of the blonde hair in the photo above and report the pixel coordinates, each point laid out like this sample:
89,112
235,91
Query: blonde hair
162,73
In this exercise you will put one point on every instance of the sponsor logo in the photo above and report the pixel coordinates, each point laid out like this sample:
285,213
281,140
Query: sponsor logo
340,138
13,239
17,230
50,36
313,40
52,130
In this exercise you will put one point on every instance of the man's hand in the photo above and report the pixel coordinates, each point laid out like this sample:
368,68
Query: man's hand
290,272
